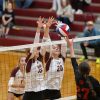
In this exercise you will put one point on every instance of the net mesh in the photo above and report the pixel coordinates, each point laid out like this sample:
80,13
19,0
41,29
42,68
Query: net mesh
9,57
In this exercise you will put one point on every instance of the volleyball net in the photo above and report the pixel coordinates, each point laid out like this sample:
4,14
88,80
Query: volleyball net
9,57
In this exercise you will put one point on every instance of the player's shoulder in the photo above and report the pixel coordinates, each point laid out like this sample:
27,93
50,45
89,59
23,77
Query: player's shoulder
93,79
61,59
14,71
16,68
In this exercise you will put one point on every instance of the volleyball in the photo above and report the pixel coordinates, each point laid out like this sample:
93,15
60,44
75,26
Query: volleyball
62,29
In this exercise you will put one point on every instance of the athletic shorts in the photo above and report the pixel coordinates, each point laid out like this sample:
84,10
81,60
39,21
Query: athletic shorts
52,94
16,95
9,25
34,95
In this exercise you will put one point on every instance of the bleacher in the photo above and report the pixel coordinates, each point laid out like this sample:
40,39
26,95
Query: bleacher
26,22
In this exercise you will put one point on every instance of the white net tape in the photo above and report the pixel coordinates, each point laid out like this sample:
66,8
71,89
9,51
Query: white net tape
47,43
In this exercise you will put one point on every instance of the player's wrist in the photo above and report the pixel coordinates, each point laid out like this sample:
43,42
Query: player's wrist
38,27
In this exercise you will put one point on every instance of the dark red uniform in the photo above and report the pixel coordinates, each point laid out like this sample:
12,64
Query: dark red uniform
87,88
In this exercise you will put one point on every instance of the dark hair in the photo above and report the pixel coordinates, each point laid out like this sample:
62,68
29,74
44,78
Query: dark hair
84,68
59,45
38,48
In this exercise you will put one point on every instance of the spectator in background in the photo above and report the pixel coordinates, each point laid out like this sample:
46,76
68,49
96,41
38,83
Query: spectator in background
23,3
79,5
1,7
56,6
66,15
91,31
7,19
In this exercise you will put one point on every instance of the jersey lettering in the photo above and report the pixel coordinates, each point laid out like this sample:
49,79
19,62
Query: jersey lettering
59,68
39,69
85,92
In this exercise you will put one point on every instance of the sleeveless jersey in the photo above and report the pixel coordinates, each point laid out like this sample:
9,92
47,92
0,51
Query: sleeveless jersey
34,78
17,77
55,74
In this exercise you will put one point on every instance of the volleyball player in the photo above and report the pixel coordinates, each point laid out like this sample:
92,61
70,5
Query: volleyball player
88,88
54,58
35,84
16,83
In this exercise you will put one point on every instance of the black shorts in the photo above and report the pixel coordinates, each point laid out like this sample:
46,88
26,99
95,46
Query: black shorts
34,95
9,25
52,94
16,95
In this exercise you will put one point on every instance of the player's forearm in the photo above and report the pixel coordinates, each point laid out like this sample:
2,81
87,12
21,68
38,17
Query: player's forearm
63,49
3,18
38,30
18,85
21,86
70,44
37,36
9,20
75,67
46,38
15,85
72,54
46,32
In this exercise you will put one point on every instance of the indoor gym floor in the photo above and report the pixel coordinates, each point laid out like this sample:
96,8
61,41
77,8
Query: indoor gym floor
9,60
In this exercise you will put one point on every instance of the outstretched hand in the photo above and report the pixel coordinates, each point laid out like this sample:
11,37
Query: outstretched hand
49,22
40,22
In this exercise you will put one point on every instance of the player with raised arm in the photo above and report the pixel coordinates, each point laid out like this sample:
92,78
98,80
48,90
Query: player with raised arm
35,83
88,88
54,58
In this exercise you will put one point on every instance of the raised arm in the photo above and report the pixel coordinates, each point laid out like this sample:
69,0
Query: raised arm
39,26
70,44
46,37
73,59
63,49
47,26
36,38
